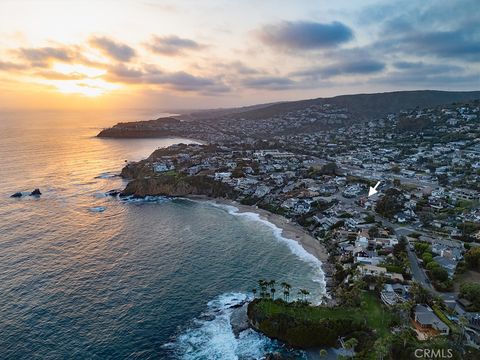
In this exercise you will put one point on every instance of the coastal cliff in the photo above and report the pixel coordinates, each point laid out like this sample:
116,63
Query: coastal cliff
177,185
161,127
304,326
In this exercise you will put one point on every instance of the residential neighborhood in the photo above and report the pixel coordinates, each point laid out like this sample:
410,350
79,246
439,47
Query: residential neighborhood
417,231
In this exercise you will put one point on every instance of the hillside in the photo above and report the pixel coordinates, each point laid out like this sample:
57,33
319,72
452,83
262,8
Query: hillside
286,118
368,106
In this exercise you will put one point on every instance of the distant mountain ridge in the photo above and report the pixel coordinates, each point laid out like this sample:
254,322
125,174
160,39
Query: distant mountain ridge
286,118
366,106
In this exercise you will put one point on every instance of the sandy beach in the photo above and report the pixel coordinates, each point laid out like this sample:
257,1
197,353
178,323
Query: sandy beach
289,230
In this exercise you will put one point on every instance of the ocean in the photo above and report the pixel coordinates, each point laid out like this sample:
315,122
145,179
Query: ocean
87,276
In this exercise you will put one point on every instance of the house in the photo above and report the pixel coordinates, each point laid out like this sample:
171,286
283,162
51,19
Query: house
394,294
261,191
222,175
448,264
162,167
425,318
372,270
467,194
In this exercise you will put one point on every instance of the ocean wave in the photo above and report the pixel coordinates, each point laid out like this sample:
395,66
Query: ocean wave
294,246
211,337
106,175
145,200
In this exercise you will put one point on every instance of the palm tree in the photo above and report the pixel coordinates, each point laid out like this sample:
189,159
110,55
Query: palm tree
323,353
263,288
271,283
272,290
286,290
463,323
304,293
351,343
254,291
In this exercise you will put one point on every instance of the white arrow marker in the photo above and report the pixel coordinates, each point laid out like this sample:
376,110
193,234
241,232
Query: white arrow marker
373,190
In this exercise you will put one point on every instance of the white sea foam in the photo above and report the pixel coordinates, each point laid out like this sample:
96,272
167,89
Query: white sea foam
97,209
212,337
106,175
295,247
146,199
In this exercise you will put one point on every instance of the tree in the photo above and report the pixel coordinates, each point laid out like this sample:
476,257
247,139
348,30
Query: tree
439,274
303,294
373,231
351,343
390,204
329,169
472,258
432,265
381,347
263,288
286,290
471,292
254,291
323,353
395,169
427,257
401,247
419,294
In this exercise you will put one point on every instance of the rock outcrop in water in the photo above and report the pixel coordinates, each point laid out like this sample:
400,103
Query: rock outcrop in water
19,194
36,192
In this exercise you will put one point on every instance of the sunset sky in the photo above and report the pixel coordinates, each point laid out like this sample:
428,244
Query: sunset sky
198,54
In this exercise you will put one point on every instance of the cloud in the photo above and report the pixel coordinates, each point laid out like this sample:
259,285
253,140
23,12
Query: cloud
356,67
422,67
54,75
269,83
461,43
114,50
40,57
8,66
236,67
122,73
152,75
172,45
429,29
305,35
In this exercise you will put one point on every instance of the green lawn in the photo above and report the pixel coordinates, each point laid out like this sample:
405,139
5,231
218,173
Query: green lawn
371,310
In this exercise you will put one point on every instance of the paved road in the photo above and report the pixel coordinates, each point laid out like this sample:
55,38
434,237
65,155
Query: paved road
418,274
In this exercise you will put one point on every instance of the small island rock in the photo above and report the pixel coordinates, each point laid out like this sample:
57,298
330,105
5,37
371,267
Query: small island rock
36,192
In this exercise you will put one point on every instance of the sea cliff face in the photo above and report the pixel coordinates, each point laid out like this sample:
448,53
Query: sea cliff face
177,185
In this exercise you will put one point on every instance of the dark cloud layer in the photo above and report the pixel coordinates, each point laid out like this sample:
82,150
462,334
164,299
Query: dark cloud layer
359,67
113,49
429,29
305,35
172,45
269,83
